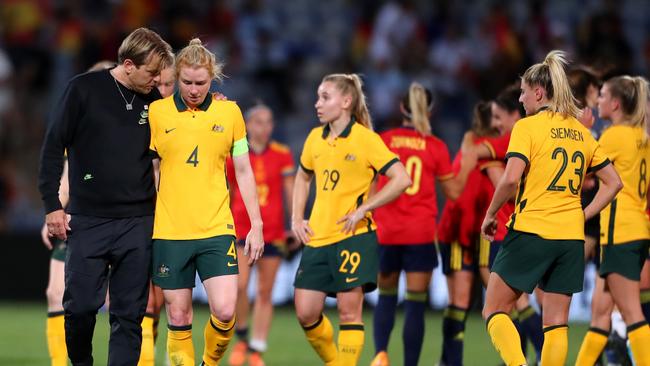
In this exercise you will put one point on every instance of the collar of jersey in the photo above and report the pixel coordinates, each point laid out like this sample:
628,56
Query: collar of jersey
344,134
182,107
412,128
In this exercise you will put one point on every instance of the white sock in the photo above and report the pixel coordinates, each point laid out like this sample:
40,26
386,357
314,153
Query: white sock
618,325
257,345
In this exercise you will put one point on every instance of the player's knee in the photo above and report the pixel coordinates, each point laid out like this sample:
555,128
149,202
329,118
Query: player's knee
54,295
224,315
602,321
307,316
179,316
264,295
461,300
242,288
349,314
486,312
155,309
522,302
349,317
387,279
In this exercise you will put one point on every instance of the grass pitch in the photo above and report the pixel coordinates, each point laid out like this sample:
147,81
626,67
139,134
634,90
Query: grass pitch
22,338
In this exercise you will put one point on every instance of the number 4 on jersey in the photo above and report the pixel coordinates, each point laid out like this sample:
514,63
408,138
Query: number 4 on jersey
194,157
232,252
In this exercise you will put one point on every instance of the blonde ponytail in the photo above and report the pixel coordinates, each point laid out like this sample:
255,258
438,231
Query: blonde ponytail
632,93
551,76
639,116
417,106
351,84
196,55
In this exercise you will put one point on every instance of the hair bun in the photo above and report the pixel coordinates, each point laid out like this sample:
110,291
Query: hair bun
195,42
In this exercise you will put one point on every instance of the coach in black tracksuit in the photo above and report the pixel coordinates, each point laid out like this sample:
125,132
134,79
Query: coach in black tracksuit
102,122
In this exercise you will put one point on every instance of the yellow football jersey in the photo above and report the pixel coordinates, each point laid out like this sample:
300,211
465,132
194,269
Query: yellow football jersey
558,153
193,200
625,219
344,169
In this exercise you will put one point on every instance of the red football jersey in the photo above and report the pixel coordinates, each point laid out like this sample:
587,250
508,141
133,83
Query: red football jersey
411,218
498,146
270,167
459,217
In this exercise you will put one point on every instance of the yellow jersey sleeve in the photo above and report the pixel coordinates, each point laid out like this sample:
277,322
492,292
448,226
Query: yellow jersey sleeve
607,149
380,158
624,220
306,158
521,143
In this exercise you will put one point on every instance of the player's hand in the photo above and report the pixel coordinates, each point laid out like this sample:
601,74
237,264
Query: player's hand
293,243
45,237
58,224
350,220
302,230
489,227
219,96
254,247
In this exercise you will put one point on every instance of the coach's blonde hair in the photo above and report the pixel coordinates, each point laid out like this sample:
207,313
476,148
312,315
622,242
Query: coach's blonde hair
418,104
632,92
351,84
195,55
551,76
102,65
142,44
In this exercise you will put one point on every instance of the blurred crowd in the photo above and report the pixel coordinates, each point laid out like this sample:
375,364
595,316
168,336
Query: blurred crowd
278,50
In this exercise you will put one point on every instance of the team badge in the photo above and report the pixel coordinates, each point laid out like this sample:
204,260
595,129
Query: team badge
163,271
350,157
217,128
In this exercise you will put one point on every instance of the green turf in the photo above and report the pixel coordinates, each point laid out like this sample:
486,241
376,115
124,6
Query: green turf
22,338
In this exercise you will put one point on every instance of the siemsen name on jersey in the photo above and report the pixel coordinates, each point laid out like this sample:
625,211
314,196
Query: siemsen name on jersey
566,133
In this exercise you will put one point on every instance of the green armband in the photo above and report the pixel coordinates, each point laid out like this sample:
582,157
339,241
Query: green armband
240,147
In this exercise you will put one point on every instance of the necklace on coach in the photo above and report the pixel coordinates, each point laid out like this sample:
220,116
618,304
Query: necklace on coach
129,106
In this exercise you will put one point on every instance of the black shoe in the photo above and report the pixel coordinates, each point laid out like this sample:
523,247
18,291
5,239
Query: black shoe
616,351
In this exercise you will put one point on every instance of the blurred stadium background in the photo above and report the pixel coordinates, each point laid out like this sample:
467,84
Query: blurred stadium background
277,51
